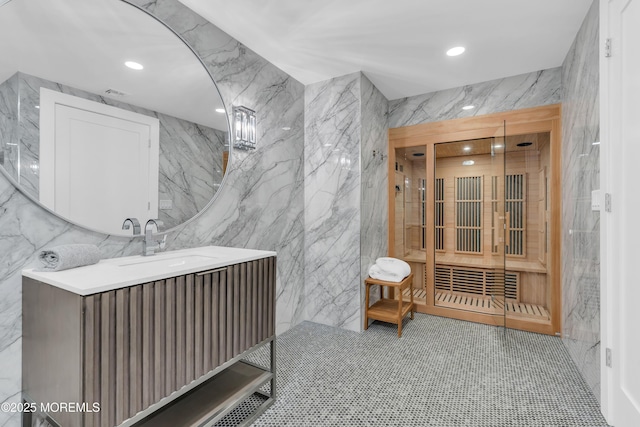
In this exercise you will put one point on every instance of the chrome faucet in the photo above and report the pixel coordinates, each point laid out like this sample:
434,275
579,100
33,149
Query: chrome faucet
150,244
134,222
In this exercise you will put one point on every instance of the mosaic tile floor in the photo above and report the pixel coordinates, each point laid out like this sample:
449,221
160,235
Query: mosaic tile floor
442,372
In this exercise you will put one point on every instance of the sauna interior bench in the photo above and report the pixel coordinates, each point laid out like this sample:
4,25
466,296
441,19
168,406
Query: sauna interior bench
167,348
388,309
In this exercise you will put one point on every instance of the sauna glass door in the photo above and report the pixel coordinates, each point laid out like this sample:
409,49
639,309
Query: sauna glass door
469,215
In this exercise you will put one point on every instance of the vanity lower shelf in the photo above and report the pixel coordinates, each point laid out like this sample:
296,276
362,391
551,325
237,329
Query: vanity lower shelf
211,401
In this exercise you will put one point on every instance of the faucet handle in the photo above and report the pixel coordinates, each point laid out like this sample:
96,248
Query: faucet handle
162,243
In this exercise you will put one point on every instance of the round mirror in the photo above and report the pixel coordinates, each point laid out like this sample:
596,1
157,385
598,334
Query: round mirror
106,114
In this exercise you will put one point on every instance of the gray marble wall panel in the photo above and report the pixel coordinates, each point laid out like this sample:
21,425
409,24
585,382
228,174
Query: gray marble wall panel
332,201
261,205
9,148
510,93
580,225
374,171
190,154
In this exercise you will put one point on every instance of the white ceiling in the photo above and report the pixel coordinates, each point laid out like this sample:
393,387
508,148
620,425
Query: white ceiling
84,44
400,44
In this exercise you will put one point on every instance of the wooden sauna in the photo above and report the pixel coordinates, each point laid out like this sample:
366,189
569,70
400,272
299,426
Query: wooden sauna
475,210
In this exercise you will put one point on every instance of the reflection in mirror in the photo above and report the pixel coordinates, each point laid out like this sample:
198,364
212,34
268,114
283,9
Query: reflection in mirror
94,140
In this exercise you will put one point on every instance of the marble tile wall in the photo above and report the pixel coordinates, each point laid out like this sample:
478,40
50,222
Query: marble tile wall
9,148
374,175
345,195
510,93
190,169
260,206
581,226
332,201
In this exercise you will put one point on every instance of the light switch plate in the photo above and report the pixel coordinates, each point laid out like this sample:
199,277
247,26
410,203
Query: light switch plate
595,200
166,205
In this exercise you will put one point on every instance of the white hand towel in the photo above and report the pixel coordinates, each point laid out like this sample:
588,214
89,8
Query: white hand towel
376,273
64,257
394,265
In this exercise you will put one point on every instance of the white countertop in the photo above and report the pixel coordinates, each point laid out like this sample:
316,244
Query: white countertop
115,273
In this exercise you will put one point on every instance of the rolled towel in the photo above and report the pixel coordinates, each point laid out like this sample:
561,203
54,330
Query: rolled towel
64,257
394,265
377,273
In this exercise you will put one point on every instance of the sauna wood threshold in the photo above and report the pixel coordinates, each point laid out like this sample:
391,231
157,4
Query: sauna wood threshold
211,401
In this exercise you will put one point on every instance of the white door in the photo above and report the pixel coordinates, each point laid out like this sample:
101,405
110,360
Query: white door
620,174
97,165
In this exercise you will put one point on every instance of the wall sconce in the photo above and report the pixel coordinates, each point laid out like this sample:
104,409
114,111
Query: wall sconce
244,128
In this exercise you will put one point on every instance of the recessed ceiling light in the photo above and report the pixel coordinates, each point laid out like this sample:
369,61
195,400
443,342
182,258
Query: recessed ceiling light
468,107
220,110
497,146
596,143
37,106
468,163
134,65
286,128
467,148
455,51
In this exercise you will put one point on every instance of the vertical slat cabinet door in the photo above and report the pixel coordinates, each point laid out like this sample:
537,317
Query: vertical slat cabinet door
254,302
222,318
272,296
147,345
170,337
242,330
198,326
230,313
108,363
135,349
122,355
92,357
159,352
190,323
181,331
206,323
261,284
215,328
236,309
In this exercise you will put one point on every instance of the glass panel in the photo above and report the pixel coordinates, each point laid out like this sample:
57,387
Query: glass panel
468,232
411,214
500,183
527,284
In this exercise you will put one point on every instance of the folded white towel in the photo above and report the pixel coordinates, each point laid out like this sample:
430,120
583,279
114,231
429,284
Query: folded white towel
376,273
394,265
64,257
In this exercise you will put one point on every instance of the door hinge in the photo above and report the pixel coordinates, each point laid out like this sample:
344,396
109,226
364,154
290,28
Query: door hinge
608,357
607,202
607,48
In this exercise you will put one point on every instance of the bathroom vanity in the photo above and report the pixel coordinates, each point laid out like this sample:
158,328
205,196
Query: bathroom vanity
153,341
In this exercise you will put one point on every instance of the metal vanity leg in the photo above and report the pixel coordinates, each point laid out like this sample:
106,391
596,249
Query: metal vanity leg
273,368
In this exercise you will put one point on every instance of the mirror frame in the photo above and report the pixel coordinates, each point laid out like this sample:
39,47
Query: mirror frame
16,184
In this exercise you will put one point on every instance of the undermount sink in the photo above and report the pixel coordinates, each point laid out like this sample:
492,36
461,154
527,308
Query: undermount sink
170,261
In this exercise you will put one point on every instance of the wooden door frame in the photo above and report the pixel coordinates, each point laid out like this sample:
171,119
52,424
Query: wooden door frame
531,120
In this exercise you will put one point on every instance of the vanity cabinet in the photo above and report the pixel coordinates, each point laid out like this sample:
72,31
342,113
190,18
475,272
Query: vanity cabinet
142,351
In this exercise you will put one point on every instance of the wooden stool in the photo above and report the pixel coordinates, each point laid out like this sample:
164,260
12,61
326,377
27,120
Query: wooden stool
389,310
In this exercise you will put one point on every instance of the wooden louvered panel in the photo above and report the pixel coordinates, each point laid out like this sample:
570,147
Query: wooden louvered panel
485,282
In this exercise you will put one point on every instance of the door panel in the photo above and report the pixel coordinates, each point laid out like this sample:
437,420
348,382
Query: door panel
620,151
118,149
